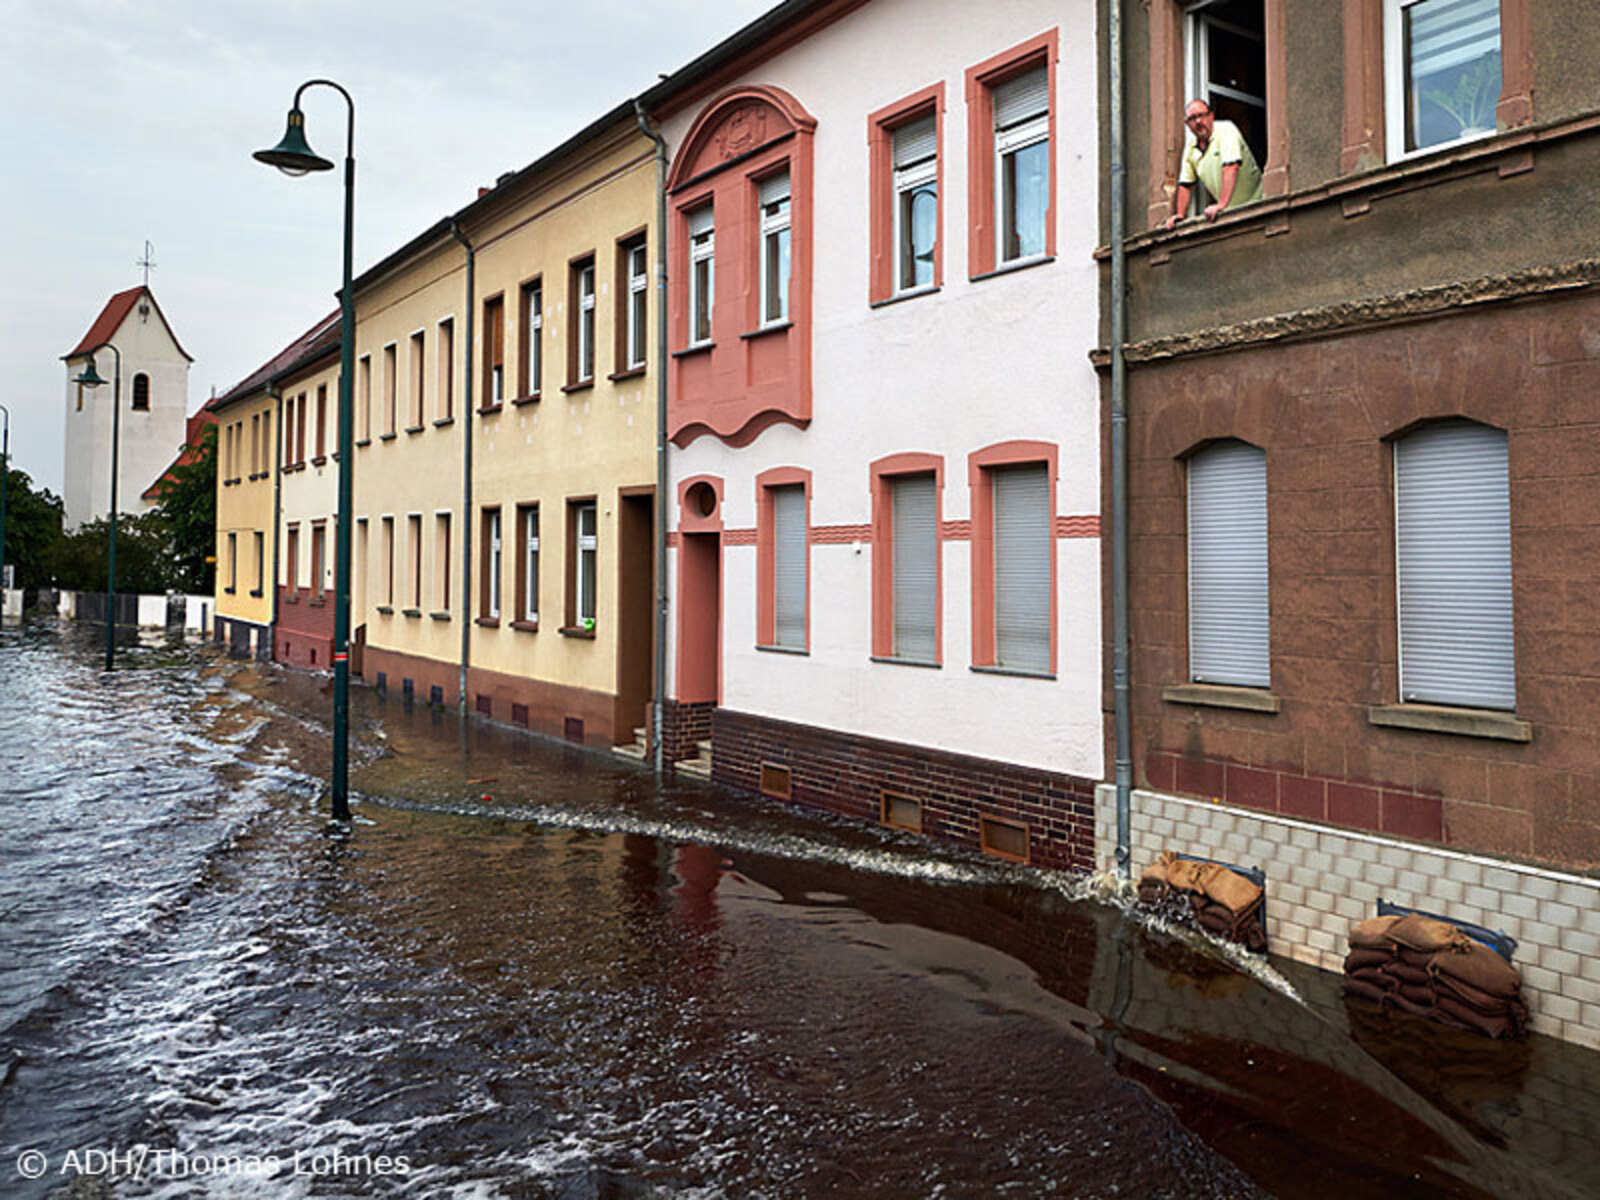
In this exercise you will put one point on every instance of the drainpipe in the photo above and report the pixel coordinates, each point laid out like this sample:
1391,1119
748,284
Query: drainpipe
276,393
466,467
1119,459
659,692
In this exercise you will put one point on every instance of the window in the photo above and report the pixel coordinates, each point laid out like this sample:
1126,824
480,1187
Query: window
1453,560
702,274
1225,64
419,375
580,316
364,379
267,444
414,550
362,566
447,370
773,198
494,352
322,420
1022,567
291,561
782,553
916,203
528,576
441,562
319,559
490,604
633,304
532,365
582,564
233,563
300,430
1229,629
390,385
255,444
141,392
1011,188
1442,72
261,562
914,567
388,562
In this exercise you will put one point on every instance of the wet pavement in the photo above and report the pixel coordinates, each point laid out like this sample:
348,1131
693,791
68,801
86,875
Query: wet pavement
528,971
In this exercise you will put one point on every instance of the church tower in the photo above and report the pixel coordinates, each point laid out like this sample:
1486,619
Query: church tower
155,401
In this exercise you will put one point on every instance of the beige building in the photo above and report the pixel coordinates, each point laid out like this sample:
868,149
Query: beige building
540,599
246,534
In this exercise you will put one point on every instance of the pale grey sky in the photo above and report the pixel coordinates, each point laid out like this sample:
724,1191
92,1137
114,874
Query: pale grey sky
122,121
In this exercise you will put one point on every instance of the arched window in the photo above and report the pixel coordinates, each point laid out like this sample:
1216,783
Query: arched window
141,392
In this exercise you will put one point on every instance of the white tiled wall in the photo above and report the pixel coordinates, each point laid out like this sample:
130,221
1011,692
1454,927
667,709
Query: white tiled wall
1321,880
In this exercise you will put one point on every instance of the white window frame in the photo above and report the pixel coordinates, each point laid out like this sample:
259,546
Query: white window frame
586,323
702,249
638,303
774,196
535,337
1394,87
1007,142
530,558
584,598
913,177
495,563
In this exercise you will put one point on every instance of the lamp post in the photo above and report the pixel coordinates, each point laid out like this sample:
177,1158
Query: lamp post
90,378
293,156
5,472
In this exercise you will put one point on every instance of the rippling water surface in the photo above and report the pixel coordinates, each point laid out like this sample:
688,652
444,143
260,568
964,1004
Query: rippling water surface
529,972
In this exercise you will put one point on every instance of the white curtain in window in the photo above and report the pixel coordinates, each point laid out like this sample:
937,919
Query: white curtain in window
1022,551
1447,33
915,557
1453,547
789,565
1229,631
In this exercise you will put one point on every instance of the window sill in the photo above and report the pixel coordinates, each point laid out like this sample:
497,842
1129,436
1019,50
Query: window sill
229,482
526,626
292,598
320,460
765,330
1019,672
489,410
488,622
228,591
530,398
316,602
629,373
892,661
440,616
1021,264
783,650
911,294
1213,695
387,437
583,385
366,441
577,631
1461,722
386,609
697,348
255,593
415,428
441,422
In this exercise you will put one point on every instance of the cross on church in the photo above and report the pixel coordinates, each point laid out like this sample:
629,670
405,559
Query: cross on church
147,262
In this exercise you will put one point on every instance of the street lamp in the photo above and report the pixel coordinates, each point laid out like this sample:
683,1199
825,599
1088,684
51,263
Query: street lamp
90,378
293,156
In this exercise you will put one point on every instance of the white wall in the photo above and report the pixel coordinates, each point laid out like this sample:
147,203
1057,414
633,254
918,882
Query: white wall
949,373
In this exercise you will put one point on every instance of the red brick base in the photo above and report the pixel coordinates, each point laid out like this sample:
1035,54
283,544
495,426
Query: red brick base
848,774
303,636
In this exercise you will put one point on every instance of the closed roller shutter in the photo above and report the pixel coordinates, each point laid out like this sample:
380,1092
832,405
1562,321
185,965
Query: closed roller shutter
916,567
1021,99
1229,631
1453,545
789,566
1022,548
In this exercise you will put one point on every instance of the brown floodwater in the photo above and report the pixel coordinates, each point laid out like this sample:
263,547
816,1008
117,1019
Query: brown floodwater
529,971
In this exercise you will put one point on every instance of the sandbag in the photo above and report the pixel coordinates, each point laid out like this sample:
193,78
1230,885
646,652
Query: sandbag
1362,956
1373,933
1481,967
1358,986
1426,934
1231,890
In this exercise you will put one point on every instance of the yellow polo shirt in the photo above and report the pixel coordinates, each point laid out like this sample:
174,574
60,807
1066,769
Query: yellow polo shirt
1227,145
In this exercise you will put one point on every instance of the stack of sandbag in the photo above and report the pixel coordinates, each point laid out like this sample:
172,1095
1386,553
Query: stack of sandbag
1432,969
1221,900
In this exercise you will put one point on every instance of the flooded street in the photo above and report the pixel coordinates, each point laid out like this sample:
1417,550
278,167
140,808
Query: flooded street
530,972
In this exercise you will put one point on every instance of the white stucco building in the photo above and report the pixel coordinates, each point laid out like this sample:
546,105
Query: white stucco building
884,495
155,402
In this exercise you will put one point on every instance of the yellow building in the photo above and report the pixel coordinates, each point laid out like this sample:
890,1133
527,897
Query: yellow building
541,601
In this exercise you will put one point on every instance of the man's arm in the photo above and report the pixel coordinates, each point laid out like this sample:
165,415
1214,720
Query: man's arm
1180,205
1230,180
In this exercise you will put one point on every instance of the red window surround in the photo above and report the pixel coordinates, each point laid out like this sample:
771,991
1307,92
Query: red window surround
766,557
981,483
884,470
1043,50
880,148
747,378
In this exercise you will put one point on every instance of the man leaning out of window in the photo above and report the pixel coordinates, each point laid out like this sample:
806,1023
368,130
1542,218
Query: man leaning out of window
1215,153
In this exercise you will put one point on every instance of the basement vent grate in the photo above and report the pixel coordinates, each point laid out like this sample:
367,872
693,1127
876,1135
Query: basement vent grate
573,729
485,705
1004,839
519,715
776,781
901,812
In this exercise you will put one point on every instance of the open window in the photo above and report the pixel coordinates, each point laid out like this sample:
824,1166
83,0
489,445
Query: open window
1225,64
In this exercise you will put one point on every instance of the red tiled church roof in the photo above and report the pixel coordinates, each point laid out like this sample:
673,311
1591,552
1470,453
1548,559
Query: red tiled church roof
114,314
193,429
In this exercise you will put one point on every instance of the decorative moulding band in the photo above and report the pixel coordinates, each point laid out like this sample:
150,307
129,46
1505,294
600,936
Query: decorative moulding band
950,531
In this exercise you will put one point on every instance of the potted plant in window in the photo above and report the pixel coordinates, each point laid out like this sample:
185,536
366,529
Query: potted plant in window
1471,102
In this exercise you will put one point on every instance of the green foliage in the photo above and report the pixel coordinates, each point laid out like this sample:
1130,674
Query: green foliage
145,559
188,506
1471,101
33,529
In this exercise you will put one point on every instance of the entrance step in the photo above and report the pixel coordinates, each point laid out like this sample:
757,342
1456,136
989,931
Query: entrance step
700,768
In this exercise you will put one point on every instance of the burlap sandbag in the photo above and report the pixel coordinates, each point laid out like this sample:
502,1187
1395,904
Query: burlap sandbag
1461,990
1362,956
1372,933
1406,973
1504,1026
1231,890
1476,964
1186,875
1357,986
1381,980
1426,934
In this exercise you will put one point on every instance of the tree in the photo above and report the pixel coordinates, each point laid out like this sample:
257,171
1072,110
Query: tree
188,507
33,529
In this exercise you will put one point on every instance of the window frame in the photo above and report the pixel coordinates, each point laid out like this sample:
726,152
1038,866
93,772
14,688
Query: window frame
364,381
704,251
767,483
884,473
391,386
884,220
291,559
530,362
632,317
775,232
981,465
528,547
141,392
414,551
417,375
1199,606
441,560
494,353
576,622
983,154
1395,70
582,325
318,571
388,561
322,422
445,343
492,540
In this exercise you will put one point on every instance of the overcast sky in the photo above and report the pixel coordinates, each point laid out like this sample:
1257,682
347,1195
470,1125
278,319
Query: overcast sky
123,121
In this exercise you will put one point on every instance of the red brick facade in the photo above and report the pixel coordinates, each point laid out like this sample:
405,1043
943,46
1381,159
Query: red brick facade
847,774
303,636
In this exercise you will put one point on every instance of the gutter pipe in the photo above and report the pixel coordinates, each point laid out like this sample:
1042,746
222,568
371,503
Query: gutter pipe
466,467
1119,457
659,692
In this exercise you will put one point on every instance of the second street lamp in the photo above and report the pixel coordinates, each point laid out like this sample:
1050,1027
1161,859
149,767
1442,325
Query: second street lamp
90,378
293,156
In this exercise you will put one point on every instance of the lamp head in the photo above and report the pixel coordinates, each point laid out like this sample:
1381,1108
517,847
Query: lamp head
89,377
293,156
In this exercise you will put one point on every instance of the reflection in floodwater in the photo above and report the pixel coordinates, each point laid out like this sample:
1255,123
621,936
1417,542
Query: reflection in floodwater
532,972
